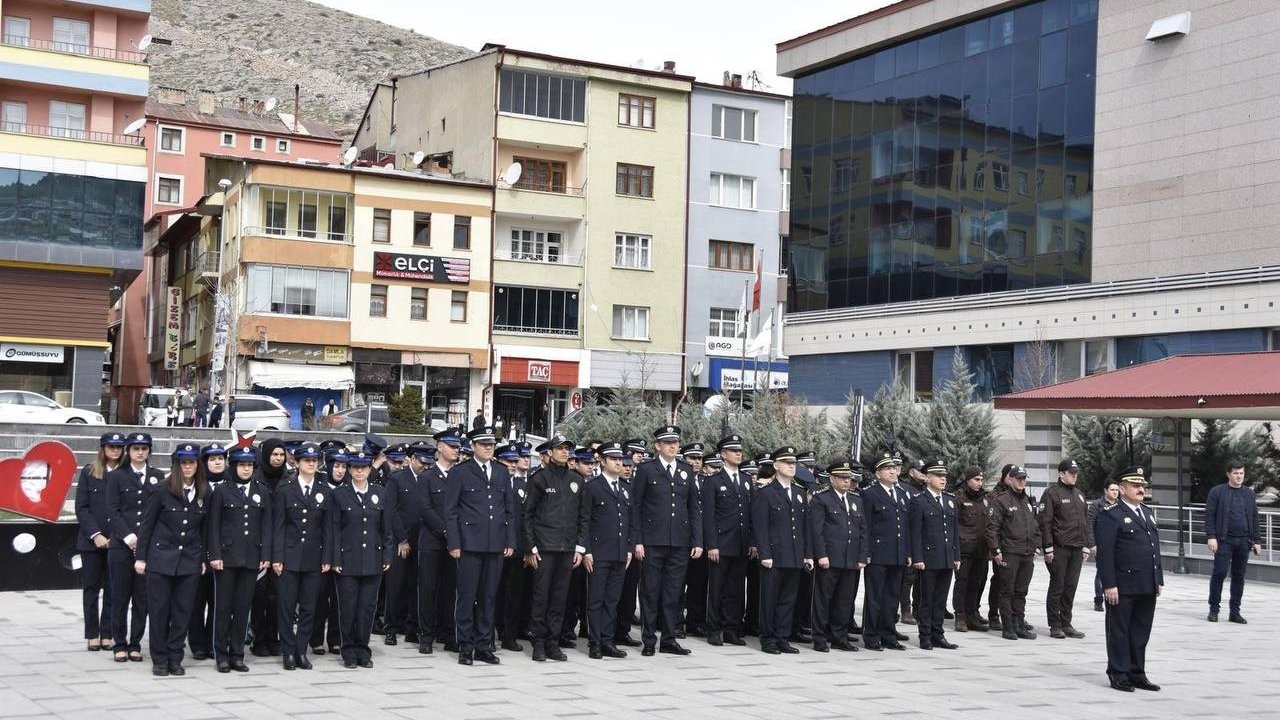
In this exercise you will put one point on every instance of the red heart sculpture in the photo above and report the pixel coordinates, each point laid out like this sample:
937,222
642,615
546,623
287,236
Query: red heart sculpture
61,463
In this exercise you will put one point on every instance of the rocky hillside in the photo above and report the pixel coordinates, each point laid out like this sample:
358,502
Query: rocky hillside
260,48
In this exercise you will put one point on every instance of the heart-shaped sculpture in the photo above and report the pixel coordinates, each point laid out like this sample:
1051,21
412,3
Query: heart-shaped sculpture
36,484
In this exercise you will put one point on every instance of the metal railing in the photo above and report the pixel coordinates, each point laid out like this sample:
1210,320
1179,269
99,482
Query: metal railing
550,189
207,263
543,257
104,53
71,133
295,234
1191,527
531,330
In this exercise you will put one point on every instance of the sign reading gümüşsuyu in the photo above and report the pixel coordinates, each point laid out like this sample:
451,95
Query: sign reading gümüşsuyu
402,266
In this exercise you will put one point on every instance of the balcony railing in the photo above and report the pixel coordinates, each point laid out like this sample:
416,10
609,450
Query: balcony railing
130,56
550,188
534,330
1189,527
544,257
207,263
71,134
295,234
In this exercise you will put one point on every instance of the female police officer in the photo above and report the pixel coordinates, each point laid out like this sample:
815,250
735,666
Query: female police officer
92,540
360,544
239,544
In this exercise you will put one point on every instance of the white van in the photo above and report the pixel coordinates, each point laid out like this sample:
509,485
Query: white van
152,408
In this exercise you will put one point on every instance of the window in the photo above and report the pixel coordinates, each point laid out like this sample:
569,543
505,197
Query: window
277,213
631,251
535,245
66,119
14,116
377,301
189,310
290,290
543,175
228,139
553,97
418,304
535,310
282,146
71,210
258,143
732,191
462,232
458,306
635,110
422,229
337,222
630,322
635,180
71,35
724,323
307,220
1097,356
992,368
381,226
1068,360
172,139
169,190
725,255
313,214
17,31
915,372
730,123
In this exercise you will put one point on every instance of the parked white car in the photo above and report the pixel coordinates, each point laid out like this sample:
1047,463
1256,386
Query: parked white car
20,406
259,412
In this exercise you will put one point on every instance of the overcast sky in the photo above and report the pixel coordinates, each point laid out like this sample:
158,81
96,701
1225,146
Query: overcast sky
704,37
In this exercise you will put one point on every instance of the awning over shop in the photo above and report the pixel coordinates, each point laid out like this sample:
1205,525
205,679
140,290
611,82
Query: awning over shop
291,375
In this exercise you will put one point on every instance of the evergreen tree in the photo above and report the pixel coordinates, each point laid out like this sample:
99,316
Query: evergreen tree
1101,457
1211,450
777,419
620,414
405,413
959,432
891,419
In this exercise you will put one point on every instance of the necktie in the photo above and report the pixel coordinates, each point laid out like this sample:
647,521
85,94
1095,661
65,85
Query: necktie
847,508
736,484
245,488
190,491
938,498
306,491
613,487
486,472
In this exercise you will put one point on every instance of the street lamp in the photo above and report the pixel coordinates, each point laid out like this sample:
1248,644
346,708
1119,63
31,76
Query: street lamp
1157,442
1112,431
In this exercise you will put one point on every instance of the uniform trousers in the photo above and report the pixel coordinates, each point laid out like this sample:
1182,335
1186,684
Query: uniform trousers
169,599
725,588
910,591
884,586
1015,578
324,627
932,607
1064,576
695,596
128,601
970,579
778,590
550,590
1234,553
661,580
993,594
232,600
751,616
298,592
401,591
357,603
478,576
627,601
265,616
93,579
515,598
1128,630
200,632
575,604
432,597
833,592
604,587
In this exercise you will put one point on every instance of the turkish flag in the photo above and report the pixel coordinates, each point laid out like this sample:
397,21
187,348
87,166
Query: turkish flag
36,484
755,289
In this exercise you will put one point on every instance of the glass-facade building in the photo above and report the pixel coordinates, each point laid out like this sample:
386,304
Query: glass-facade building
954,163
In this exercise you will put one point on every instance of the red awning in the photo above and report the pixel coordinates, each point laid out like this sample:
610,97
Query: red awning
1224,385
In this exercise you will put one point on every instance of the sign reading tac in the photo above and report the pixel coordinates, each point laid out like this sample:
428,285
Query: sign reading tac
539,371
402,266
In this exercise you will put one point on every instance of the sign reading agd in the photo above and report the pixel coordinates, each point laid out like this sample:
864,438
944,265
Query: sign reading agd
724,346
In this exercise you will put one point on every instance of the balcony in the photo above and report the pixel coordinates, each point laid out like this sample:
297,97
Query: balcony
289,233
546,256
563,203
208,269
65,133
103,53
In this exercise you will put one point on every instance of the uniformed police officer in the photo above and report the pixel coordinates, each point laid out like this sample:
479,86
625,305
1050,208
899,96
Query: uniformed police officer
298,555
609,544
1132,578
971,521
694,601
726,518
515,589
935,547
273,472
93,537
436,576
993,587
838,538
556,518
627,603
889,552
360,542
779,527
127,489
325,633
1013,536
238,538
1067,535
582,462
213,457
171,554
1110,496
402,583
667,522
480,531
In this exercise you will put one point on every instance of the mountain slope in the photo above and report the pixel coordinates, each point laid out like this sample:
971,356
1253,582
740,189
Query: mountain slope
260,48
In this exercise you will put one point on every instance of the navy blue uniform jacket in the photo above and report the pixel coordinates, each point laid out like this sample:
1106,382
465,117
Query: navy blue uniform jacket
479,513
91,508
126,498
835,533
609,538
360,539
1129,550
298,526
238,530
935,532
726,514
890,543
665,512
779,526
171,536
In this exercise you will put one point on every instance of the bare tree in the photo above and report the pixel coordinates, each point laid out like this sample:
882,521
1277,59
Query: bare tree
1038,365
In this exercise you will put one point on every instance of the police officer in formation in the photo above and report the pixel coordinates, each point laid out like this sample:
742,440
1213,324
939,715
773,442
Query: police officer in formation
1013,536
971,522
838,533
1067,535
127,489
93,538
609,544
726,518
1132,574
436,577
935,548
239,546
889,551
780,532
402,495
213,460
515,589
360,541
298,556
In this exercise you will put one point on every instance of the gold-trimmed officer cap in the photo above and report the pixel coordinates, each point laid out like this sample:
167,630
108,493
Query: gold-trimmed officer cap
1136,475
785,453
888,458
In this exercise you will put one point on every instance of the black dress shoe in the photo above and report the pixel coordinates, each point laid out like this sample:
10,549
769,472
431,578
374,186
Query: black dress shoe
855,628
771,648
1097,606
626,640
680,633
947,615
731,639
259,650
512,645
1213,617
1121,685
224,666
895,646
539,652
555,653
317,651
846,647
389,639
945,644
1072,632
177,669
349,663
801,637
425,648
273,648
1008,635
1235,617
1025,635
411,637
289,663
821,646
487,657
874,647
567,643
464,658
787,648
647,651
673,648
610,651
1057,633
201,655
715,639
303,662
450,646
160,670
1144,684
593,652
239,666
900,636
926,644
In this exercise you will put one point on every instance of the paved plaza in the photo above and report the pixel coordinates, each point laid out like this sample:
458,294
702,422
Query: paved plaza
1207,671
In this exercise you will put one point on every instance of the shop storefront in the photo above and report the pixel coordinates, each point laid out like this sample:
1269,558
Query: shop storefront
294,373
44,369
533,395
733,374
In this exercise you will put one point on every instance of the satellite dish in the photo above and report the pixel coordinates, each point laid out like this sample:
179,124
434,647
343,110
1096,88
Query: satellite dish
135,126
350,155
389,166
144,43
418,157
511,175
271,104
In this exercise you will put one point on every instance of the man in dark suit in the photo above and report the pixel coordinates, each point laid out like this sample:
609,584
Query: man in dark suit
780,533
435,570
402,499
935,547
1232,529
515,589
726,518
480,531
889,551
609,550
1132,578
838,537
667,522
633,451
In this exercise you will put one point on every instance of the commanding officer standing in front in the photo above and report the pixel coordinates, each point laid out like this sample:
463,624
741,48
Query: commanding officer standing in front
779,527
480,532
889,550
609,550
838,538
1012,537
1065,531
556,517
726,518
298,553
1132,578
935,546
361,542
667,522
